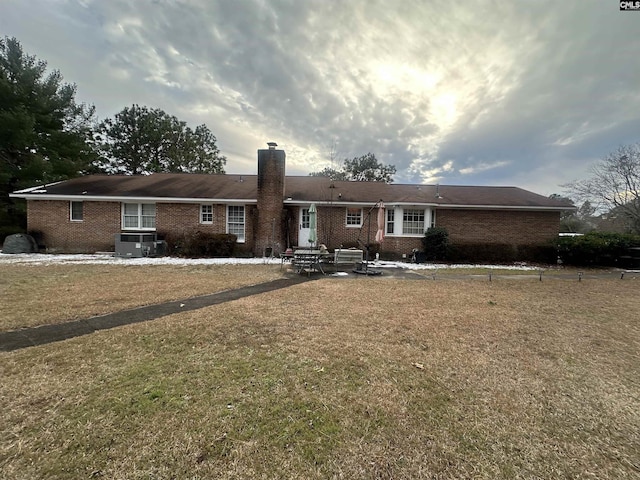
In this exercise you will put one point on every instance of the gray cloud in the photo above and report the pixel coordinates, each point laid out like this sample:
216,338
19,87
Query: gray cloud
482,92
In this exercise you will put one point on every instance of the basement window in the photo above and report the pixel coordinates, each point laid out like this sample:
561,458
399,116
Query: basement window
138,216
76,211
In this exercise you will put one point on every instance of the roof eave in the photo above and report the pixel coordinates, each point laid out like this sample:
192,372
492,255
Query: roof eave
102,198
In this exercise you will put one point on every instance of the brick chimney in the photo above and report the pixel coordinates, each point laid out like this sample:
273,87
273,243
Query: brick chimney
271,215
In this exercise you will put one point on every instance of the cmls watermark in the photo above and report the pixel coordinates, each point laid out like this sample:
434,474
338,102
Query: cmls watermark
626,5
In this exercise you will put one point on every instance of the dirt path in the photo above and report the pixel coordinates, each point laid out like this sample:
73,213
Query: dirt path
29,337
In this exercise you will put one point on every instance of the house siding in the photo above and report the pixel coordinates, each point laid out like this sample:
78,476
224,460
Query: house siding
49,222
334,232
517,227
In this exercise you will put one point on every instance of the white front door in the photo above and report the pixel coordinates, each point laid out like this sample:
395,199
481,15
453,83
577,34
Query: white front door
304,230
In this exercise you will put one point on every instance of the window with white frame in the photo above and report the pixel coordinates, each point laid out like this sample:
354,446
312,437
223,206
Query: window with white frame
412,221
391,215
76,211
235,221
433,219
138,216
206,213
354,217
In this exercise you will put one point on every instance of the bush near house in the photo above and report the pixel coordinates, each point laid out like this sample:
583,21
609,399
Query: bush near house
596,248
501,253
435,243
437,247
201,244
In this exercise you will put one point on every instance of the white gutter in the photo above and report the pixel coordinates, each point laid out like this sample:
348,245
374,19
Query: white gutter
97,198
431,205
29,194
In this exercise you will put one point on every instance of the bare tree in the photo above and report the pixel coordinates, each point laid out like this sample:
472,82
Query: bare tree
614,184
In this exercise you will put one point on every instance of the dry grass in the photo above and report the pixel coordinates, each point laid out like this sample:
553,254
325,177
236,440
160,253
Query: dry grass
37,295
367,378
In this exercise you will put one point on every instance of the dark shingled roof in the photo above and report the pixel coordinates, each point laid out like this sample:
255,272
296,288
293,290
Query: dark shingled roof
298,189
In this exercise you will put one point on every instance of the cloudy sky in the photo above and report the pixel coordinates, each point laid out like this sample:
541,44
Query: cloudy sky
524,93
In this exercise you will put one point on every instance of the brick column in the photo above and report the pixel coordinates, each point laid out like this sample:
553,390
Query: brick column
270,219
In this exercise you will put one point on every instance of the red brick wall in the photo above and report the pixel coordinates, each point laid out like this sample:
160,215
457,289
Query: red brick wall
270,215
333,231
180,218
185,217
55,230
464,226
499,226
102,220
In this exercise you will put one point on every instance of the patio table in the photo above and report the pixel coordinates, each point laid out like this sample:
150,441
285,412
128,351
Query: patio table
309,260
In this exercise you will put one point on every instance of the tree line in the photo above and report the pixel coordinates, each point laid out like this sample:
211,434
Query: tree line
609,199
46,136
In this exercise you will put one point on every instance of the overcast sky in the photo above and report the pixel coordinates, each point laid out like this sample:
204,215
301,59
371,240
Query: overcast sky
523,93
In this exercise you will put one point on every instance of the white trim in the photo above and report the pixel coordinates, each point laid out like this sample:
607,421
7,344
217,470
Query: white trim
24,194
502,207
299,203
95,198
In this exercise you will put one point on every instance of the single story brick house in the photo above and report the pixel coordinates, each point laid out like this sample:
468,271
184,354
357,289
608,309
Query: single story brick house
269,212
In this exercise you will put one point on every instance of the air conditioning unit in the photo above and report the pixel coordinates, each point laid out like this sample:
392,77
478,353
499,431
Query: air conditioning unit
137,245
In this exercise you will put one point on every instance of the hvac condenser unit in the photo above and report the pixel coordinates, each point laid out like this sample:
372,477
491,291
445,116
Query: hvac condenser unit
135,245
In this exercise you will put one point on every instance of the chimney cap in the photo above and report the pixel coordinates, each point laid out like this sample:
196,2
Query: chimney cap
272,145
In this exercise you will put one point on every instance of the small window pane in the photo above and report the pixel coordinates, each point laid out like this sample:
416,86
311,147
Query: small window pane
413,222
148,209
130,222
354,216
77,213
148,222
131,209
206,213
305,222
390,220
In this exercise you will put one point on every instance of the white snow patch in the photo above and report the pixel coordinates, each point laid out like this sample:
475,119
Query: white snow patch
101,259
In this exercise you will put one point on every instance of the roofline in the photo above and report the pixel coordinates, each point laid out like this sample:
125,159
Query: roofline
430,204
507,207
126,199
